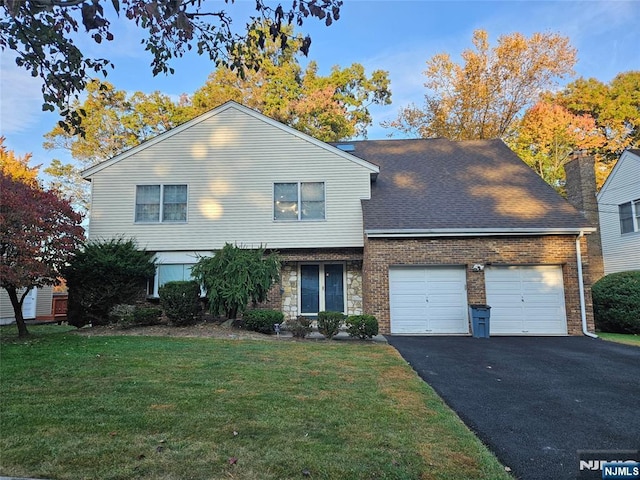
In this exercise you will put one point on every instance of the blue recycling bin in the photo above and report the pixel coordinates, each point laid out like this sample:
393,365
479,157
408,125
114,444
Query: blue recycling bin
480,320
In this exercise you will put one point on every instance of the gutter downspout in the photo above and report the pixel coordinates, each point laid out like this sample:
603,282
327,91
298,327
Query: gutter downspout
583,310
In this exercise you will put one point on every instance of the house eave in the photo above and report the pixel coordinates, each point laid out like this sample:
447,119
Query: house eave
473,232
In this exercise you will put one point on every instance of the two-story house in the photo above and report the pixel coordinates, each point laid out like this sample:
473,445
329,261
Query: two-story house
619,211
412,231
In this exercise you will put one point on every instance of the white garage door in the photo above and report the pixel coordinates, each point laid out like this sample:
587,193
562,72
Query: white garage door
428,300
526,300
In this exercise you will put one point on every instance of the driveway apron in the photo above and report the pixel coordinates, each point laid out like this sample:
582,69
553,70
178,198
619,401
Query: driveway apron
535,401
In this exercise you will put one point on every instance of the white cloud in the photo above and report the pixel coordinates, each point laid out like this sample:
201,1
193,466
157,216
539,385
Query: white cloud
20,97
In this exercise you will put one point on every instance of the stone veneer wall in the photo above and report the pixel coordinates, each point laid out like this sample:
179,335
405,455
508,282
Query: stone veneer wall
284,296
289,287
380,253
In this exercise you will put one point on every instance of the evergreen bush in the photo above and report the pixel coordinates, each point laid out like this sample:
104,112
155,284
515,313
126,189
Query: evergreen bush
181,302
616,302
362,326
104,274
329,323
129,316
299,327
236,277
262,320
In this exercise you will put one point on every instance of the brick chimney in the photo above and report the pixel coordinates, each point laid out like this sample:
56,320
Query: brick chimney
581,193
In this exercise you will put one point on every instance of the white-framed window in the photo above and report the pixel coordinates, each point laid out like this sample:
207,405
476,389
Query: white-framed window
629,216
298,201
169,272
161,203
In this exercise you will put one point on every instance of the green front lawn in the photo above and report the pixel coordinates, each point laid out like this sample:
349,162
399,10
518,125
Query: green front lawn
627,339
78,407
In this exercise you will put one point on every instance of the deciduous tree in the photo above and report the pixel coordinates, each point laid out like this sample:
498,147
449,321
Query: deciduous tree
615,107
483,96
17,167
43,34
39,232
546,136
330,108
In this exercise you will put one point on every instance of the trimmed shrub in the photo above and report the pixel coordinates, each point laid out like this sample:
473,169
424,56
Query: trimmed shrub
122,313
103,275
262,320
181,302
299,327
362,326
329,323
616,303
129,316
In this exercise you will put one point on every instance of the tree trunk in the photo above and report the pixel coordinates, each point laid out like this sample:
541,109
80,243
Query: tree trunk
17,310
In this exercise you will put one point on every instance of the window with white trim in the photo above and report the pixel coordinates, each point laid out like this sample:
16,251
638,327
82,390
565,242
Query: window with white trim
161,203
298,201
629,216
168,272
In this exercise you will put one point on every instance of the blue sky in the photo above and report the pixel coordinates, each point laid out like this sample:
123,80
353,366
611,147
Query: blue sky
396,36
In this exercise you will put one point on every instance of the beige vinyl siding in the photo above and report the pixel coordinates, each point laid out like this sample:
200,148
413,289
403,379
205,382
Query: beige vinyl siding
230,162
6,309
621,252
43,304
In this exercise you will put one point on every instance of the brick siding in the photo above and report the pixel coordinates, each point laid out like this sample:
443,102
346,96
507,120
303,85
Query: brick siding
379,254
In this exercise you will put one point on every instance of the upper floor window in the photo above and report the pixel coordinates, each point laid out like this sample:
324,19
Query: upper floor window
298,201
161,203
629,216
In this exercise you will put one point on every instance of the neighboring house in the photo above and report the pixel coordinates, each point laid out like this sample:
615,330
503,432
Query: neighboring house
412,231
37,305
619,210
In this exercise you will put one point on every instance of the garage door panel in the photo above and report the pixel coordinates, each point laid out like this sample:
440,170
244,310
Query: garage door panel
526,300
541,297
411,298
444,299
501,274
504,299
410,327
428,300
542,313
546,288
406,274
409,288
409,312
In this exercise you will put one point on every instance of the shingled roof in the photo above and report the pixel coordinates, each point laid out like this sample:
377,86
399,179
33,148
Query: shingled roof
440,186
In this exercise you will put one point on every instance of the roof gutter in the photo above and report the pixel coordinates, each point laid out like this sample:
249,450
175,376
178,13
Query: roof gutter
473,232
583,310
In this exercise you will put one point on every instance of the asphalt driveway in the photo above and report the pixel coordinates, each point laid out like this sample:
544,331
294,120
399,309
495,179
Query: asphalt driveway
535,401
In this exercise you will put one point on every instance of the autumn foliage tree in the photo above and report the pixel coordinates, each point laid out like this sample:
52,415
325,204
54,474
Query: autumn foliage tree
548,133
330,108
17,167
482,96
38,233
615,108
